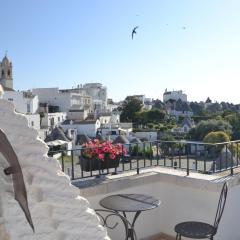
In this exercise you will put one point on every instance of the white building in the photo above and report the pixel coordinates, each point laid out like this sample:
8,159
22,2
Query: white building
51,120
34,121
88,127
99,96
65,100
174,95
24,102
77,114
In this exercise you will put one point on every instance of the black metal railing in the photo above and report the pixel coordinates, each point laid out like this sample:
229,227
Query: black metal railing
186,155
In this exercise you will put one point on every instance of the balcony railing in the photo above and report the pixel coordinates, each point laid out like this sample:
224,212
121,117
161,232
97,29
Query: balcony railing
189,156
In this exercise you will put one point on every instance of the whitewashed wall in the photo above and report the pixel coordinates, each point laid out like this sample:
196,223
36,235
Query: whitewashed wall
21,103
57,210
58,117
182,198
33,121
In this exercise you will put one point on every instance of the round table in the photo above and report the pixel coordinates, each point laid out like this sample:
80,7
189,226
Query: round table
130,203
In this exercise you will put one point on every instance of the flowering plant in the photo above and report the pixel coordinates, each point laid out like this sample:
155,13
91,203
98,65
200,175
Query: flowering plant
96,150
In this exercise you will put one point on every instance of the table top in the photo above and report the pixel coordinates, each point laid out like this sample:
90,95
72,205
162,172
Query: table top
129,202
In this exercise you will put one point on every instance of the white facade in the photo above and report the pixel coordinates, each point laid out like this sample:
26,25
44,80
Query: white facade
64,100
88,128
109,118
174,95
51,120
24,102
33,121
77,114
99,96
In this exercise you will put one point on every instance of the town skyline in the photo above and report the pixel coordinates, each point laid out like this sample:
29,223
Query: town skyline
178,45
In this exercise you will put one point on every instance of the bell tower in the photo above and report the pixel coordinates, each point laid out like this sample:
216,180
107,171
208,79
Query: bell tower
6,78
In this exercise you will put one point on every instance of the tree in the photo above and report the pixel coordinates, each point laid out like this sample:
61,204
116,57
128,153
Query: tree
234,120
130,107
216,137
158,104
197,108
207,126
214,107
155,115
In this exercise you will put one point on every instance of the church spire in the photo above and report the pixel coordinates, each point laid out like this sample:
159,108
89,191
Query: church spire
6,78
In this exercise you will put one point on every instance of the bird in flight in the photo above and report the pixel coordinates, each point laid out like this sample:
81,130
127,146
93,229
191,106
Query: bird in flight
134,31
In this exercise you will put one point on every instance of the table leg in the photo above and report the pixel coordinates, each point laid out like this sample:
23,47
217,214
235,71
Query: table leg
131,231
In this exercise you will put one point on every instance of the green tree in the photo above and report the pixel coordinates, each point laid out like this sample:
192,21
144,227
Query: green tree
234,120
207,126
197,108
155,115
216,137
130,107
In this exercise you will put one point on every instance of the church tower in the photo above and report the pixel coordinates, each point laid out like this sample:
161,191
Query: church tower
6,78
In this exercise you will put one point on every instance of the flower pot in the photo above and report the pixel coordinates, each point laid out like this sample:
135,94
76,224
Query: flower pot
95,164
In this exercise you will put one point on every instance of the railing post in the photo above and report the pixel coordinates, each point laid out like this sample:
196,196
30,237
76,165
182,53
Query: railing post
237,153
137,160
62,162
232,159
72,165
186,149
226,162
123,157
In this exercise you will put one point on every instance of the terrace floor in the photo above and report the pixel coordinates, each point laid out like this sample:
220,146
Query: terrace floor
160,237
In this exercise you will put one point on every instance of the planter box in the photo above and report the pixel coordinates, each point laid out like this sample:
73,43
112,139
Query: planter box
95,164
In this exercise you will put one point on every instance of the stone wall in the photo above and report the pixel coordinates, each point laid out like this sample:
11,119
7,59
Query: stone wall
57,210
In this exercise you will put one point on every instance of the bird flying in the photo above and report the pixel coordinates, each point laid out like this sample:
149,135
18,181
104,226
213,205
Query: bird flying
134,31
15,170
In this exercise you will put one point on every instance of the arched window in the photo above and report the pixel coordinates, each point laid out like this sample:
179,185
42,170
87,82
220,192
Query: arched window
9,73
2,72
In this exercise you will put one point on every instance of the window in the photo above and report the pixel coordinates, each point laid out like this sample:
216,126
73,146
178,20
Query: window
9,73
32,123
59,119
28,108
10,99
52,121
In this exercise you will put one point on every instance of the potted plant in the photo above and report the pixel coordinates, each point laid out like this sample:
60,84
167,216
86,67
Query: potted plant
97,156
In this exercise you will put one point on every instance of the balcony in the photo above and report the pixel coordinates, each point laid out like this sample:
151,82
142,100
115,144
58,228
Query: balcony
187,181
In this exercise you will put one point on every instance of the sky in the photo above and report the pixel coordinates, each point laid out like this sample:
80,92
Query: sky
189,45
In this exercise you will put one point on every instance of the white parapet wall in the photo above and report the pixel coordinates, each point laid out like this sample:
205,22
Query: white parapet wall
57,210
183,198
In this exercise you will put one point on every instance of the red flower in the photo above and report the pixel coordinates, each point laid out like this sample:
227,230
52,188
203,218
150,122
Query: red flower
97,150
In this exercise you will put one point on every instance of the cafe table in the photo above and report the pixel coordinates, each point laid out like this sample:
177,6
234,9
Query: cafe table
130,203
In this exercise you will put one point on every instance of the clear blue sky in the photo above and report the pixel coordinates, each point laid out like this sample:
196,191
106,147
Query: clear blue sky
68,42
